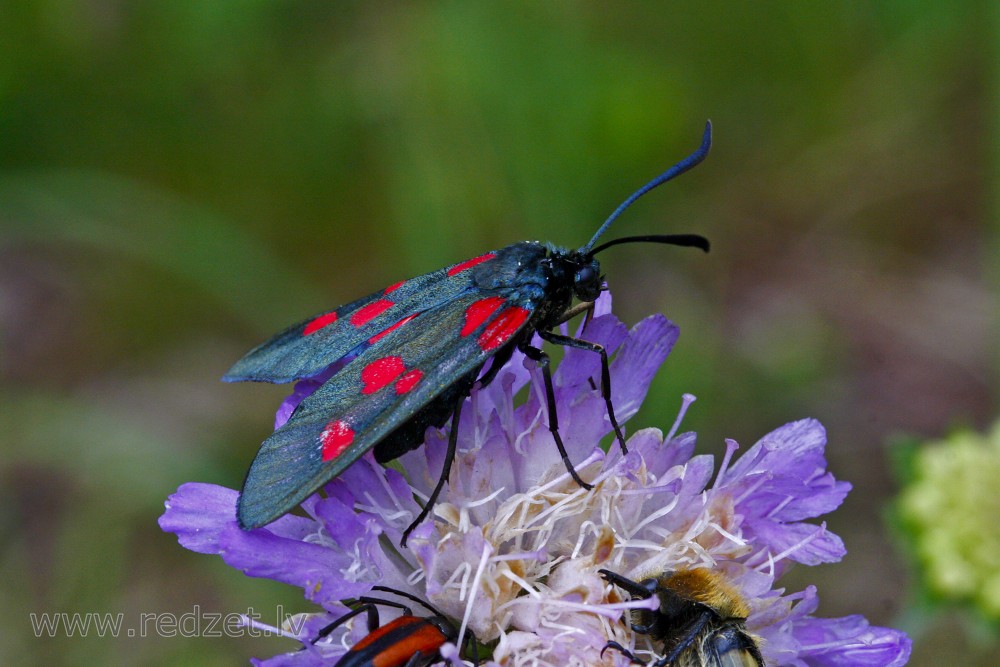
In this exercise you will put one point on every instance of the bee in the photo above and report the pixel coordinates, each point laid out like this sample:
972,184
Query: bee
701,620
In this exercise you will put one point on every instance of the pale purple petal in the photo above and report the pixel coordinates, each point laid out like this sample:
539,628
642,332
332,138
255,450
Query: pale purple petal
797,484
581,365
647,347
201,513
850,641
308,657
801,542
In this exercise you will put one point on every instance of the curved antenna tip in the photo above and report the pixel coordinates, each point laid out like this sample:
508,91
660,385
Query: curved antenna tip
687,163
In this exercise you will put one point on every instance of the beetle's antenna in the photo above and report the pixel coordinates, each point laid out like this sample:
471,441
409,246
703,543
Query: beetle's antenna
396,591
687,163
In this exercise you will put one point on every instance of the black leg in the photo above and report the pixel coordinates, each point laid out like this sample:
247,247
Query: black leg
475,648
469,646
449,458
568,341
624,651
637,590
542,360
499,361
688,634
642,589
385,603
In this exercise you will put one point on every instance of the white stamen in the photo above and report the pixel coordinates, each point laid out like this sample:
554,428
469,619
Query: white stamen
539,555
384,481
487,550
358,570
587,528
373,508
247,622
483,501
820,530
528,588
663,511
460,575
736,540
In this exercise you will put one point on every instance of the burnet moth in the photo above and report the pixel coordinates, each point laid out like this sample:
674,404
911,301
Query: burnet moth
406,641
404,358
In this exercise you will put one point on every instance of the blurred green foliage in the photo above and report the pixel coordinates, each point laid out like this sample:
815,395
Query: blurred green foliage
180,179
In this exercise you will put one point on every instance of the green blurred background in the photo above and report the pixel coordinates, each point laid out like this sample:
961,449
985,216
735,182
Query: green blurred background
178,180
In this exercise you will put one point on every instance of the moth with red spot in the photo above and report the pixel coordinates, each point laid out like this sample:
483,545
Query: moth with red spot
404,358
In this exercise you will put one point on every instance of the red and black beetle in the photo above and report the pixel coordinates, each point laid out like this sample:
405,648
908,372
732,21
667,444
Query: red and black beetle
406,641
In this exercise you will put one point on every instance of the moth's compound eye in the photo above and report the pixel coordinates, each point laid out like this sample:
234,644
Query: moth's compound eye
587,282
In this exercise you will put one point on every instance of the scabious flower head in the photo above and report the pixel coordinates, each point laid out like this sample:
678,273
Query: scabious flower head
515,548
957,478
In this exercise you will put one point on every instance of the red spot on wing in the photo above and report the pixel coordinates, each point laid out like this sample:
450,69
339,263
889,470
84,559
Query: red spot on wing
319,322
380,373
479,312
395,326
408,381
363,316
335,438
469,263
503,327
393,287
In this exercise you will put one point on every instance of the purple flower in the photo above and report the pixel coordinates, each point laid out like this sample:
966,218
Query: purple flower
515,548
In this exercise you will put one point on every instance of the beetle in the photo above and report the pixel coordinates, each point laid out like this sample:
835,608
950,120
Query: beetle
406,641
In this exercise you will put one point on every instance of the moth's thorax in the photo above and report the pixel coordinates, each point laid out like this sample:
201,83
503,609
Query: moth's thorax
517,266
545,276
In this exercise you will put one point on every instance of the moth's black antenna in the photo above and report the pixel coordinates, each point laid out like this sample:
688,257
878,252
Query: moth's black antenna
689,240
687,163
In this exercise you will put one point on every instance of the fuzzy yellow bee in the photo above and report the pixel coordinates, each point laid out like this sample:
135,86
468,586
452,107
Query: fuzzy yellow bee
701,620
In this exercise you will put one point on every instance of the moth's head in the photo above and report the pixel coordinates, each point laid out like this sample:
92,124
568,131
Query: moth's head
587,278
578,271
